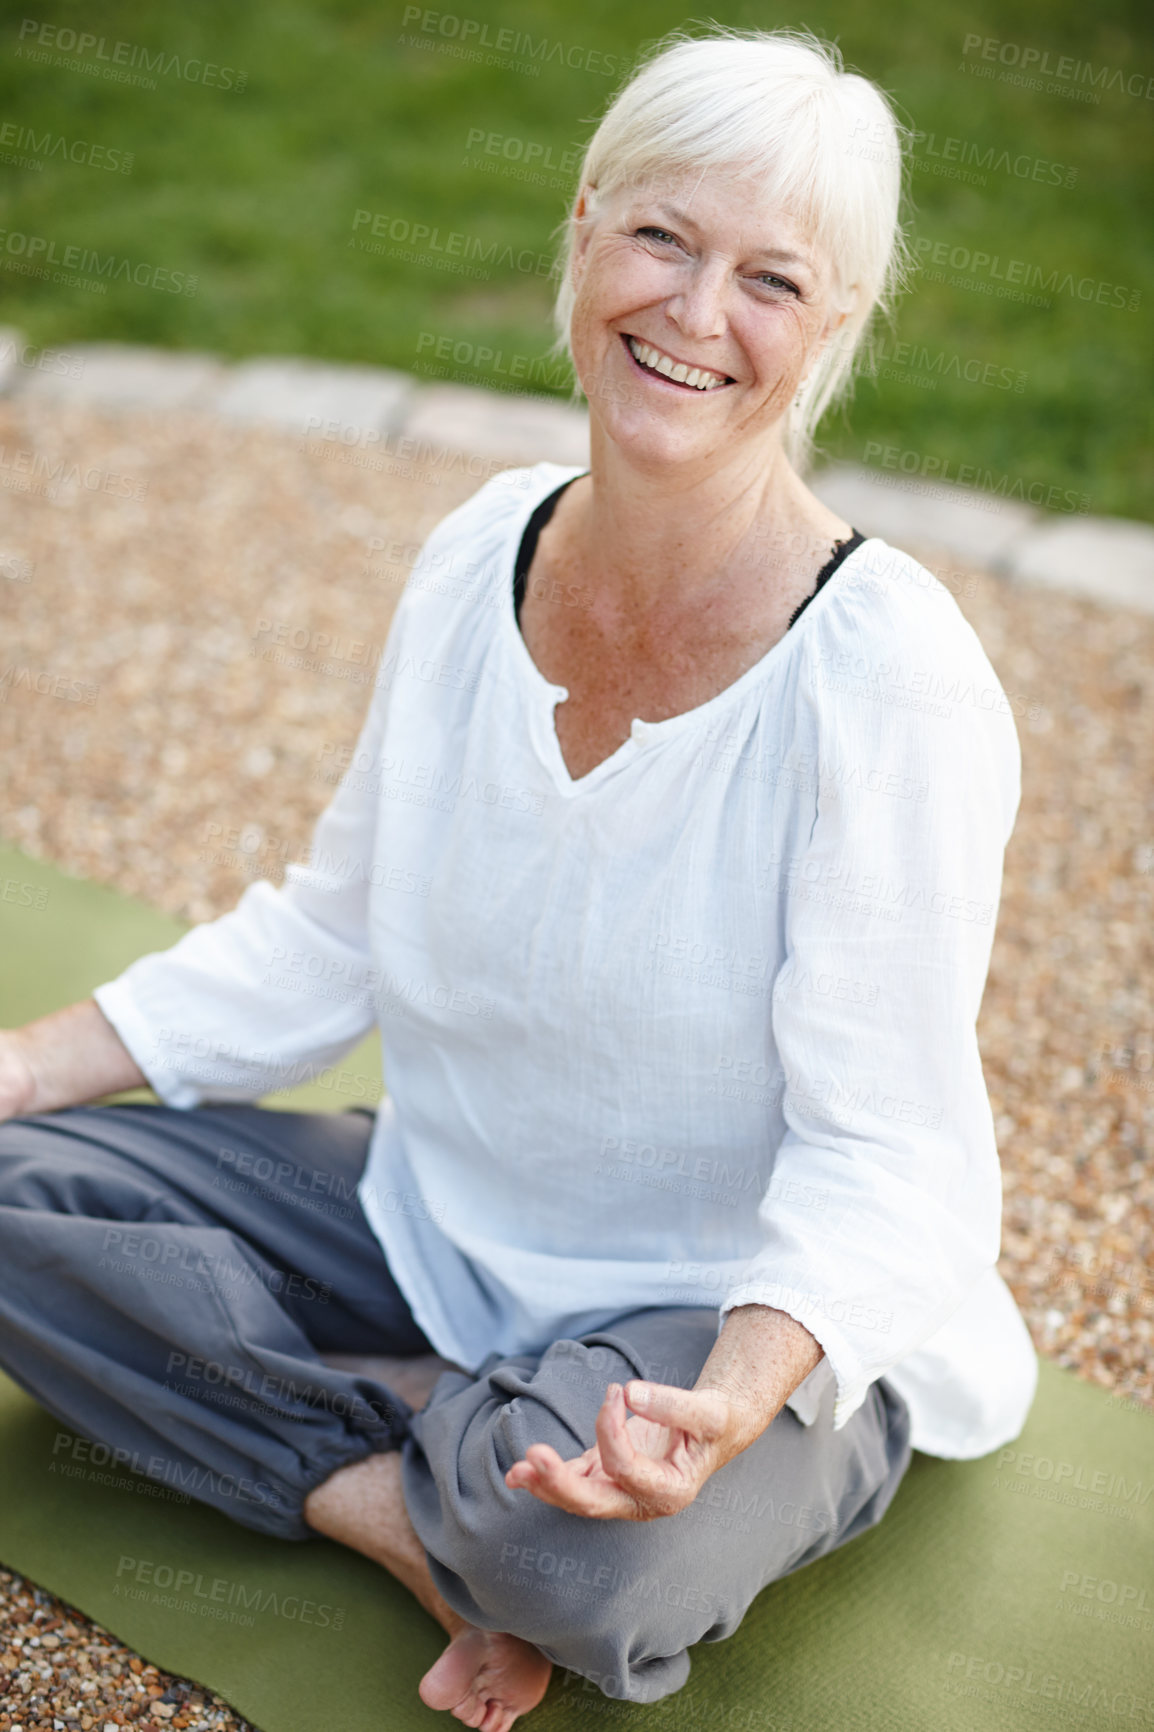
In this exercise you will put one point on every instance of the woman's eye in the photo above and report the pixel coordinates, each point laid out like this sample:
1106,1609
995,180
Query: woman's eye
658,234
777,283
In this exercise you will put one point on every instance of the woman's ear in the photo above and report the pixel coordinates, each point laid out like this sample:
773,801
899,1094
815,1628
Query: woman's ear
584,211
833,324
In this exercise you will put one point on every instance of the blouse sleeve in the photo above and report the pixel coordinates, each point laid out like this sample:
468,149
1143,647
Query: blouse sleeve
884,1210
282,986
274,991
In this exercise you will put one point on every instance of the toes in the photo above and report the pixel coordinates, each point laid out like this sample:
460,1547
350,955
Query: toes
442,1688
497,1718
478,1678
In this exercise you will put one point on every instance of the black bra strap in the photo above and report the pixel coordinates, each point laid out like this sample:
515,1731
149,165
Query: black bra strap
528,545
841,551
544,511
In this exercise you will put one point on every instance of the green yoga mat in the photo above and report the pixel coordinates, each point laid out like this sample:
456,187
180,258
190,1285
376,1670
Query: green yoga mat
1008,1592
992,1596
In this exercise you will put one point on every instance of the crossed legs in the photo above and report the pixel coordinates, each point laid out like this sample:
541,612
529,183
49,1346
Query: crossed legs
167,1267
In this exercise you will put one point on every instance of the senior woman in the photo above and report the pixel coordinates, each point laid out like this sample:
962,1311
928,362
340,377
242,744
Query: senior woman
667,862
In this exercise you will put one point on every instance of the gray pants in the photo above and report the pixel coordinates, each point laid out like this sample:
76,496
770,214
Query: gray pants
170,1279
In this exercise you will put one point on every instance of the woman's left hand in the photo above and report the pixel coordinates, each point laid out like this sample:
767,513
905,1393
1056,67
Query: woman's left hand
656,1447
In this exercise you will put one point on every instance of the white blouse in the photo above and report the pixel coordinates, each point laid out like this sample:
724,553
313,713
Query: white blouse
694,1029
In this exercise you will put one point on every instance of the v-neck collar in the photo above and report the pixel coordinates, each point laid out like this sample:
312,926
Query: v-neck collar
544,695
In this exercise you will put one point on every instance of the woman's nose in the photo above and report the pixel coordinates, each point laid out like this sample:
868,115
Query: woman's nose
698,307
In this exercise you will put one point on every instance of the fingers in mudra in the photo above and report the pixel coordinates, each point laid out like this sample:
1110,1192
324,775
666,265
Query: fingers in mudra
645,1463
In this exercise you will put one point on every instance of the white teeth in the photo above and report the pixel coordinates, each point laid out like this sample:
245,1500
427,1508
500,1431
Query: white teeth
698,377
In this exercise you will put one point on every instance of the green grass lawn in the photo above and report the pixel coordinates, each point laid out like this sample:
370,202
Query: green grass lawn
349,107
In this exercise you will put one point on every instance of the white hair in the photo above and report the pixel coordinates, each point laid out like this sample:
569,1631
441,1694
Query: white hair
776,108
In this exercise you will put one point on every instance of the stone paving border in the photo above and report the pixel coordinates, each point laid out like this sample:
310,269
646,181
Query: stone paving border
1110,560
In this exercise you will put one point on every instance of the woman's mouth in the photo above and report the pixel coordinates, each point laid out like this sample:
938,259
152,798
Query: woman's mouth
667,371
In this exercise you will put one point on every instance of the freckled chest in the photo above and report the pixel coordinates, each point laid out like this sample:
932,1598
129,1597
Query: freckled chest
615,667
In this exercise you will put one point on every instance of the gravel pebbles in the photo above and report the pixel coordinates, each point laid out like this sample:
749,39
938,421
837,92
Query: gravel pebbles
60,1671
198,606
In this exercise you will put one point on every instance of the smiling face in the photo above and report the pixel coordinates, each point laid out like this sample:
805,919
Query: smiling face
699,310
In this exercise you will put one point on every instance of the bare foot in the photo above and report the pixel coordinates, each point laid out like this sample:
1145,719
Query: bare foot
486,1679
